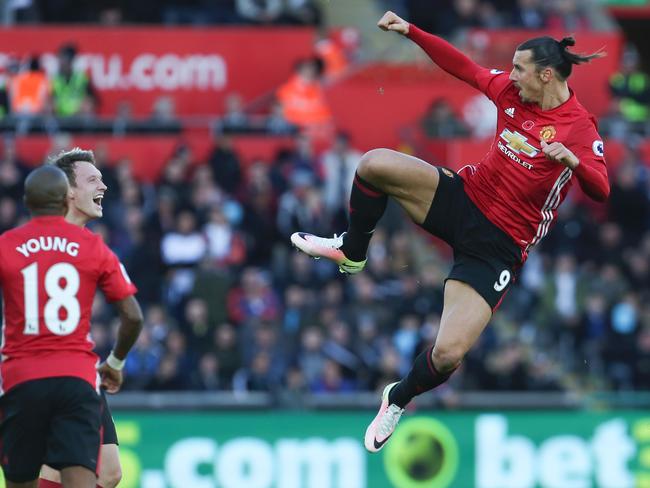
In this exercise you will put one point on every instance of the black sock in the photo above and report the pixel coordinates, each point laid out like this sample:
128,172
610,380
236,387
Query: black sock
367,205
422,377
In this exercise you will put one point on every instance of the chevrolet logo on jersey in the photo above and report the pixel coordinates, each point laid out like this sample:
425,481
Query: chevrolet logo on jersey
518,143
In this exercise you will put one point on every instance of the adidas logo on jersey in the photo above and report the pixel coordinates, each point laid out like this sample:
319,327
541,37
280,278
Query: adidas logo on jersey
510,112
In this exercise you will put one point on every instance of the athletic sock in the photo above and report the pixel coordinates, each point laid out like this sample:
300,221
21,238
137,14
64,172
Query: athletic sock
48,484
422,377
367,205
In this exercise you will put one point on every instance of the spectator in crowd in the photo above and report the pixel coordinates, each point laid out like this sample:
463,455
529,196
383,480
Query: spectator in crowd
72,90
225,164
12,172
276,123
253,298
226,247
29,90
234,118
163,116
629,203
630,87
338,165
303,100
144,360
460,15
439,121
300,207
259,11
227,353
206,378
196,12
529,14
334,57
181,251
301,12
568,16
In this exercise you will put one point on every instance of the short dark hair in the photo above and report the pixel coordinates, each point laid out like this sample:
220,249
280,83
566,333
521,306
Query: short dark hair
67,161
46,190
548,52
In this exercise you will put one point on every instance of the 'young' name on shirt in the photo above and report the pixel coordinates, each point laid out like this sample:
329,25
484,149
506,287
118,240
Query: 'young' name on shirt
48,243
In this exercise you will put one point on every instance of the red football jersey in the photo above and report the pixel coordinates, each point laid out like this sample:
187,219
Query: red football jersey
49,272
515,185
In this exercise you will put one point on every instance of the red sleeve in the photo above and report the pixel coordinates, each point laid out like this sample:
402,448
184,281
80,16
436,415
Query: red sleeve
114,280
492,82
446,56
592,170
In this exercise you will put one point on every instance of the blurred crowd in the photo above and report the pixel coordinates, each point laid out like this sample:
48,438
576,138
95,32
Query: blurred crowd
195,12
440,17
450,18
230,306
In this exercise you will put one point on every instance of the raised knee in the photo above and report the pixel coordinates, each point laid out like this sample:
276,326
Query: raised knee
447,358
372,164
110,478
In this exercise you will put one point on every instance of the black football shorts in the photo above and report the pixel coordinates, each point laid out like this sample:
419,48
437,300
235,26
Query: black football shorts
485,257
109,434
53,421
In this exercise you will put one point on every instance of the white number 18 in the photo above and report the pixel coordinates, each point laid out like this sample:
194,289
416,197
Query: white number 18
60,297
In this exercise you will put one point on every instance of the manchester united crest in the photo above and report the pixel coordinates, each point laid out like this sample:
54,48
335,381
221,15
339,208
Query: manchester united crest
547,133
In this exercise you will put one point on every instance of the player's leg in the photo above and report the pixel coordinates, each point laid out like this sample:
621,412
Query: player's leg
25,411
381,173
78,477
49,474
110,469
464,317
74,441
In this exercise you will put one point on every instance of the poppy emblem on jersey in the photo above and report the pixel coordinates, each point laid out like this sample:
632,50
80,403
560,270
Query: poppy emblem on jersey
447,172
598,148
529,124
517,143
547,133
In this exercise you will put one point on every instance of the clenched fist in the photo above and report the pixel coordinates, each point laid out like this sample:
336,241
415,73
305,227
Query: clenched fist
111,379
393,22
556,151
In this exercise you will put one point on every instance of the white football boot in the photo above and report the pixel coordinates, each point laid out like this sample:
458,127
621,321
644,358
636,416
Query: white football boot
383,425
326,247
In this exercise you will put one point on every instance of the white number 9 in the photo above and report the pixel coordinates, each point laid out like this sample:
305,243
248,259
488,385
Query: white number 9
504,279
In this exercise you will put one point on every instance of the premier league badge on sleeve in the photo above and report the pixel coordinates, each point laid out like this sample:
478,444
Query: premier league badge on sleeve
598,148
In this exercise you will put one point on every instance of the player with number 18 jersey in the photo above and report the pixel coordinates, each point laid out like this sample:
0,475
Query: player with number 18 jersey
47,311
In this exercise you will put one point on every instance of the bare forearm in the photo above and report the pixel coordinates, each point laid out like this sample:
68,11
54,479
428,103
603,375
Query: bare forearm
131,321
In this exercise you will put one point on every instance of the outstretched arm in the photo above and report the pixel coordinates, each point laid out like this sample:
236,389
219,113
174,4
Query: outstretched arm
440,51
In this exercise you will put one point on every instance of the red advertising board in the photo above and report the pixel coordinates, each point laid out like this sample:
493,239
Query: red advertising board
197,67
